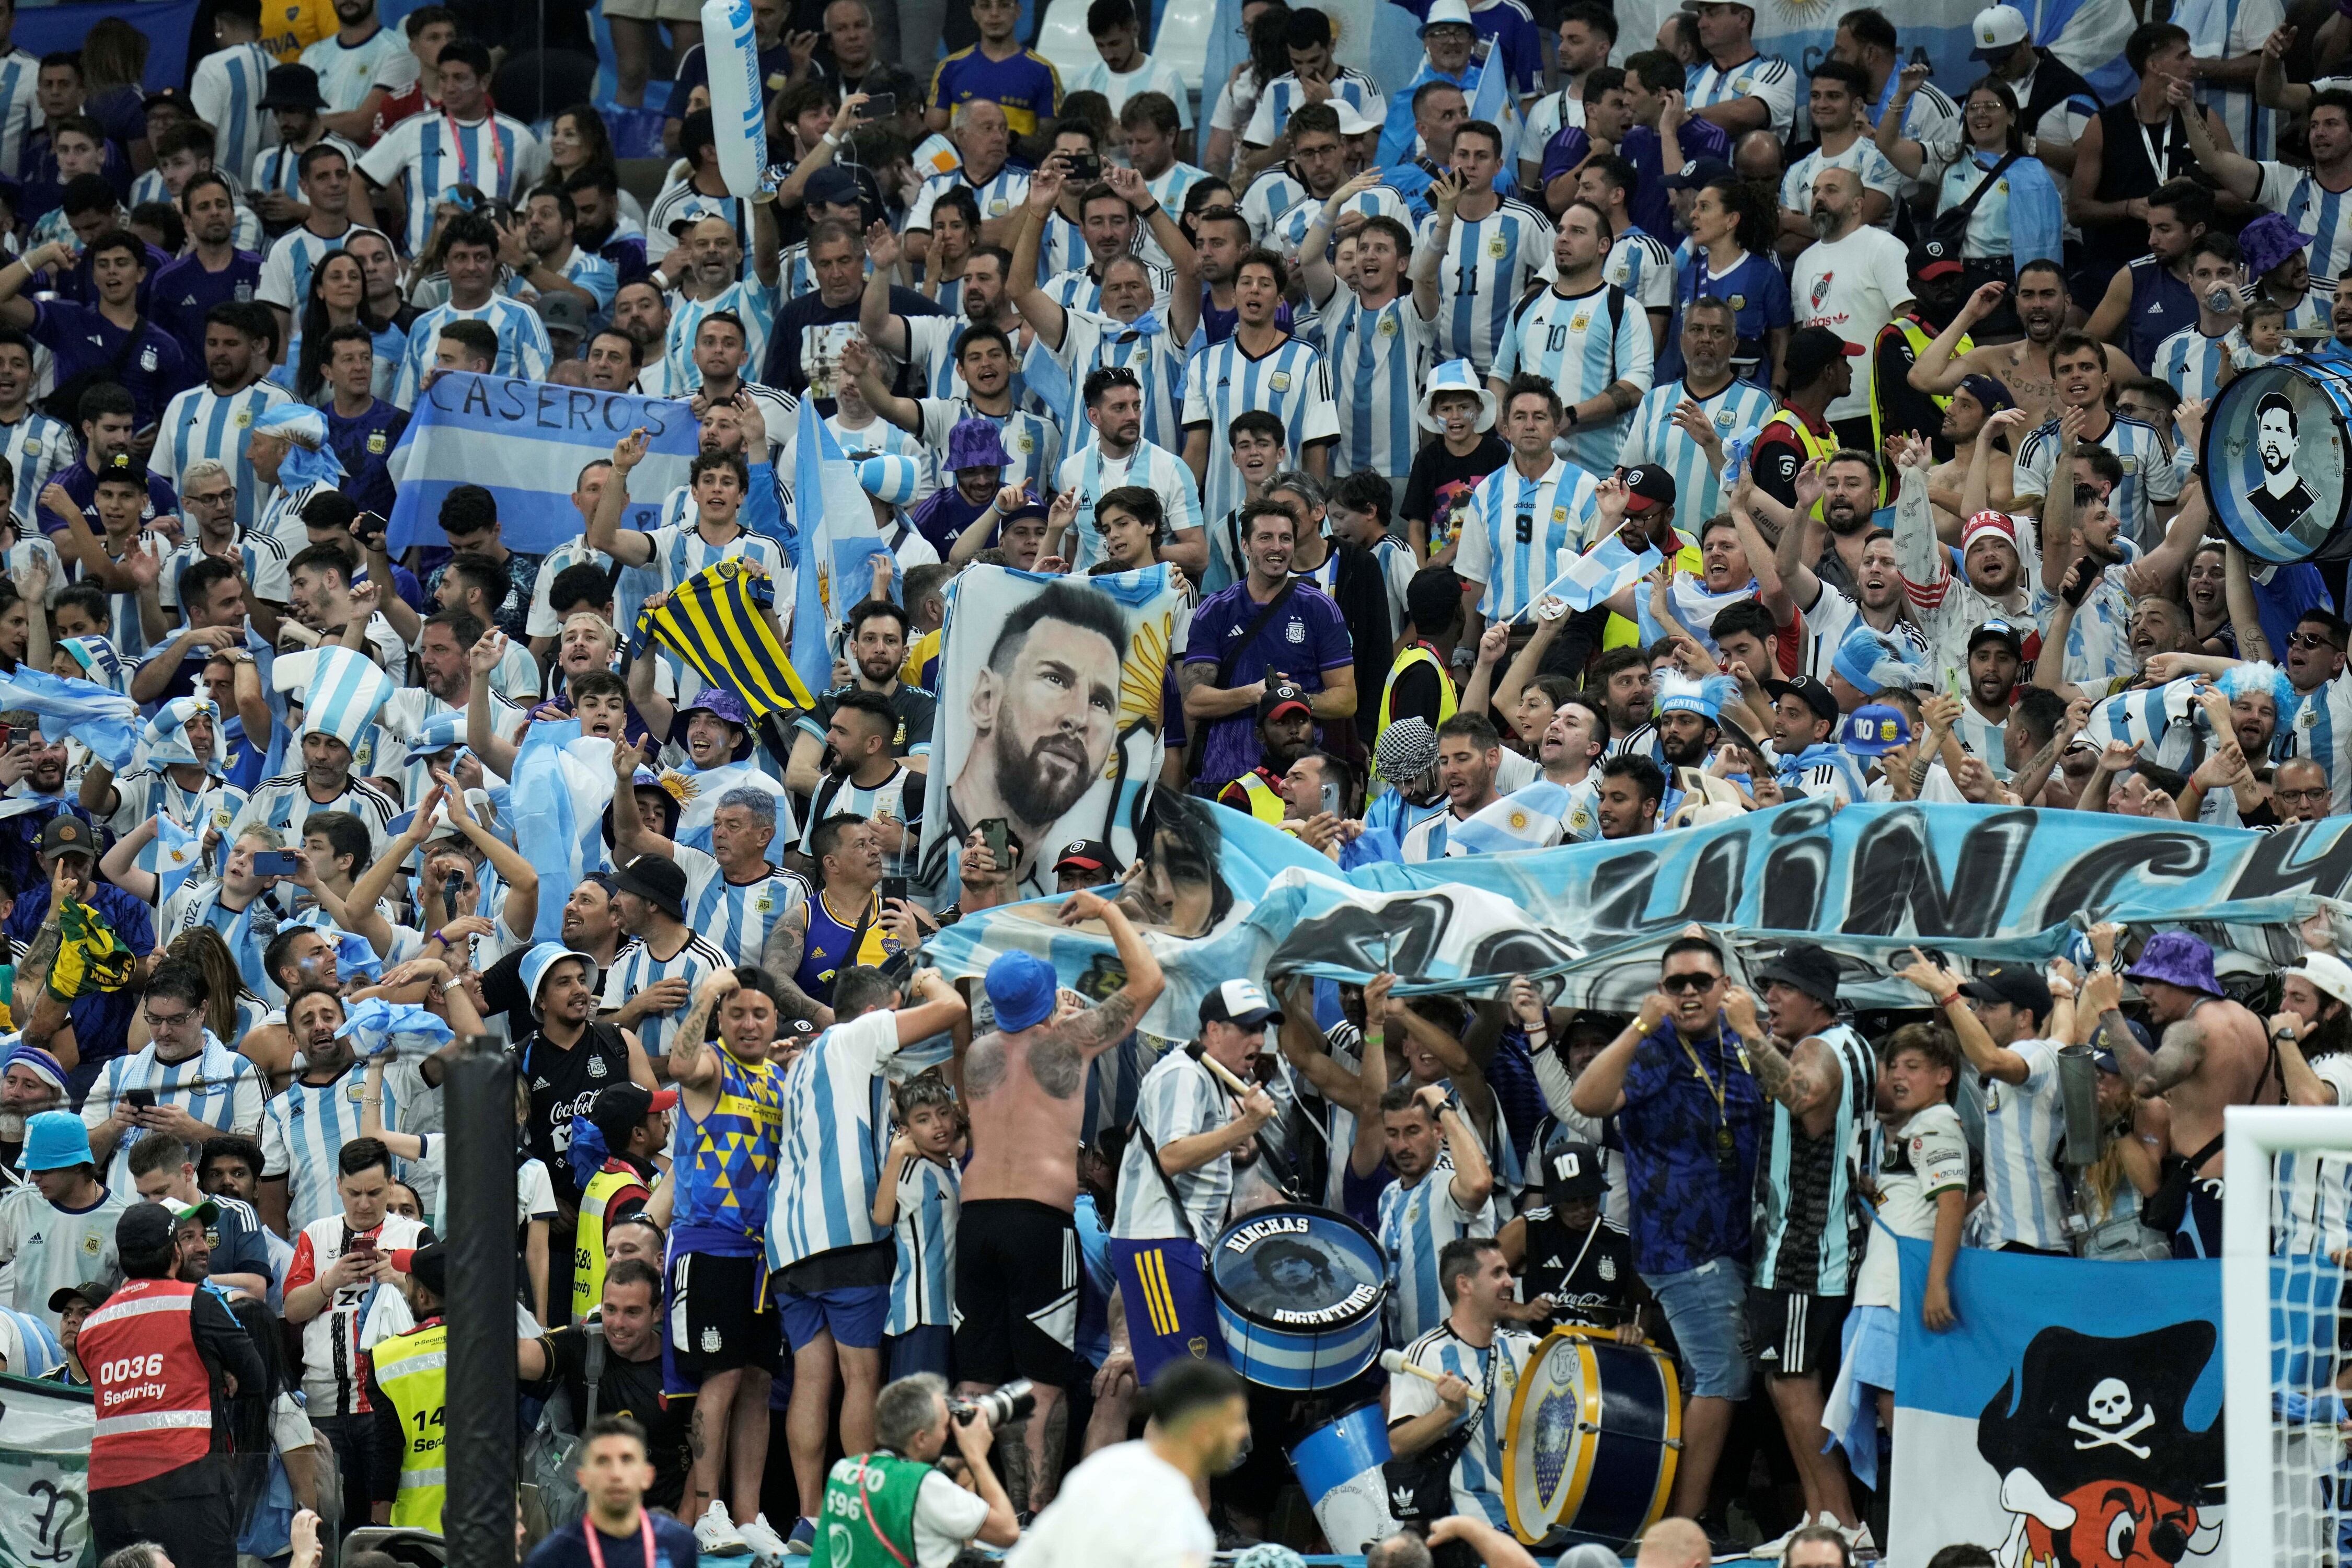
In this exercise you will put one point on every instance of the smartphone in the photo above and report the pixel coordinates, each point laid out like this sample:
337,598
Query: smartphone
363,1245
368,525
1331,796
273,863
894,888
993,834
1086,167
881,106
138,1099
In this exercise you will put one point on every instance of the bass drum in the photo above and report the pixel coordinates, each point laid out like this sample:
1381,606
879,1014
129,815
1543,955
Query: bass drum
1300,1292
1589,1451
2272,459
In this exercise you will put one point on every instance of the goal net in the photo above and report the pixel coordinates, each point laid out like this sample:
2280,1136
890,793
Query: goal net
2287,1228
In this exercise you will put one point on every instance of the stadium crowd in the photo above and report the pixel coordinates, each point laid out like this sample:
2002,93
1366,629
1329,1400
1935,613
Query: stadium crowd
1904,389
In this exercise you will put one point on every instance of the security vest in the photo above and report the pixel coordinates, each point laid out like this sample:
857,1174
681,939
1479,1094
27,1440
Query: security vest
1417,653
1814,446
1265,800
608,1186
153,1395
413,1370
869,1512
1918,338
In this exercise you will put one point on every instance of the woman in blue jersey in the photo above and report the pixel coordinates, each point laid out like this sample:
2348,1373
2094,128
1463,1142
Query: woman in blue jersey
1731,231
2019,215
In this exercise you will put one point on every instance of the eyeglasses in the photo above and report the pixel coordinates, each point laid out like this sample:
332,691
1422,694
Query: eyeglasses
167,1020
2316,792
2307,641
1676,984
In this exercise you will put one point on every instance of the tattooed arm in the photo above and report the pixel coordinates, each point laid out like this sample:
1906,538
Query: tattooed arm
692,1062
1101,1027
781,957
2177,1059
1805,1078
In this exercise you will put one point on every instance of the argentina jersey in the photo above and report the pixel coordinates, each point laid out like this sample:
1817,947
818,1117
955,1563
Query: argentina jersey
524,348
2193,361
2229,30
201,425
1150,465
1223,381
2312,209
1582,344
2149,478
637,967
1032,442
1767,78
20,111
1651,437
2021,1129
1642,265
303,1128
922,1282
1517,529
2320,727
752,302
226,91
1168,188
38,448
286,270
1286,92
1377,355
1415,1223
1484,270
586,269
497,155
1493,1374
1061,246
1079,289
736,916
215,1086
1271,194
898,797
835,1120
998,195
1091,341
279,169
1289,231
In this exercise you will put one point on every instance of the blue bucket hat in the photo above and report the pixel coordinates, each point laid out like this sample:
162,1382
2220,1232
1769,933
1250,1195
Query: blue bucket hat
54,1141
1020,987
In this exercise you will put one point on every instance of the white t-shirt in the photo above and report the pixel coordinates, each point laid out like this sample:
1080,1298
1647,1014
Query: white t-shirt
1854,287
946,1516
1933,1154
1125,1505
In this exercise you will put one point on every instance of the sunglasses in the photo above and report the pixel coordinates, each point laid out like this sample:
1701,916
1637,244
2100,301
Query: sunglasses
1676,984
2305,641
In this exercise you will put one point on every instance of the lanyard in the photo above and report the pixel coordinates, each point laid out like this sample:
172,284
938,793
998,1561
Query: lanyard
2156,155
645,1534
465,166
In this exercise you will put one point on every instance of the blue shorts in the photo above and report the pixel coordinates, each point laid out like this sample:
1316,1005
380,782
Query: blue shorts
1706,1307
854,1315
927,1347
1171,1311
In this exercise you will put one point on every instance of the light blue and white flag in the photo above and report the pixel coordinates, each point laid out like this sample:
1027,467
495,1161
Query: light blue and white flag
106,721
1600,572
1491,100
2162,721
560,786
835,543
379,1026
1533,817
527,441
173,855
341,690
355,956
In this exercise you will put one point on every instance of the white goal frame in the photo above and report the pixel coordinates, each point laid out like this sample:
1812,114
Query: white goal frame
2254,1133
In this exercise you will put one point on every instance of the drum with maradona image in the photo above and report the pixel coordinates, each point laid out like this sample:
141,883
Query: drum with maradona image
1593,1434
1299,1292
2272,459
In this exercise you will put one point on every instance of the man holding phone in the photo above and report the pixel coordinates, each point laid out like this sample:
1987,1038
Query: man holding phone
186,1082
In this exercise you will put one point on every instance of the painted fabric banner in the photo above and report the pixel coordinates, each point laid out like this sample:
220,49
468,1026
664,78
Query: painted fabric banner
45,1436
2072,1414
1048,716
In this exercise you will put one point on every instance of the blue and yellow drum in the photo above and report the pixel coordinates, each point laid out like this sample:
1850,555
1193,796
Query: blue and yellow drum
1299,1292
1590,1448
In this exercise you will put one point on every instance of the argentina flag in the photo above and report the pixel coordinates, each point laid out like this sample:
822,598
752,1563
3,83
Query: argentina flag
835,543
562,784
1535,817
1602,571
173,855
106,721
2161,721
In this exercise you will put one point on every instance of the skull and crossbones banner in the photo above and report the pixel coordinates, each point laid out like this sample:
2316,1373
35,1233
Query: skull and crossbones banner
2073,1415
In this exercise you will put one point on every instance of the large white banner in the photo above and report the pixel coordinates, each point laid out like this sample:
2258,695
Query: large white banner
45,1435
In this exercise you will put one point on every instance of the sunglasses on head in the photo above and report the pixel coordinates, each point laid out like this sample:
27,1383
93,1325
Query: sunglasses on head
1674,985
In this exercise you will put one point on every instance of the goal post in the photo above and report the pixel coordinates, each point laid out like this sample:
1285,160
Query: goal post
2281,1453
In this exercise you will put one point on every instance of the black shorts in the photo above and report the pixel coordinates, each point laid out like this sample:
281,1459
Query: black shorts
1016,1284
721,1318
1795,1332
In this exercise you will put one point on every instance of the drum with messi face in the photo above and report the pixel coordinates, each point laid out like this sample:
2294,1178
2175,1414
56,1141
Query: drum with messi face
1589,1450
1300,1292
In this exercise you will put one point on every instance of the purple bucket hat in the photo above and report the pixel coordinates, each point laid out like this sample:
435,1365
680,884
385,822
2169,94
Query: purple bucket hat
2176,958
974,443
726,708
2267,241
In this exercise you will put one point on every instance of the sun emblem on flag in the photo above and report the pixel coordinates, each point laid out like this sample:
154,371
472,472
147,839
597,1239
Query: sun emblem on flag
1141,679
824,587
1518,821
680,786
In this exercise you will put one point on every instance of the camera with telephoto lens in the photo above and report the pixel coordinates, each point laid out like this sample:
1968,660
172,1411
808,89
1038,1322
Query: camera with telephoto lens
1013,1402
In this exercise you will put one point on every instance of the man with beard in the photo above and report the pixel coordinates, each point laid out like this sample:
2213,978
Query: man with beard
31,1081
1995,654
1852,280
208,421
303,1129
931,345
214,273
1632,789
877,649
629,1310
325,782
589,928
641,314
2097,625
1689,720
2024,366
983,362
712,283
1810,761
1962,430
2213,1053
1894,403
1468,753
1581,335
1819,370
1016,1251
1044,711
2149,298
1109,215
2279,493
1684,424
1286,730
1948,608
1861,561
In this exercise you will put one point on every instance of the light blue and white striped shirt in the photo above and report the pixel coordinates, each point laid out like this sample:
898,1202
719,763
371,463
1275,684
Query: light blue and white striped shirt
215,1086
1483,272
1271,194
1582,343
1643,266
1378,356
635,968
2320,727
346,70
753,301
1153,468
304,1129
1768,77
1517,528
200,424
2228,29
2022,1125
1478,1476
20,111
2148,479
837,1118
28,1347
1091,341
286,270
1651,437
997,195
497,155
602,280
736,917
2312,209
38,448
1177,1098
1032,441
1288,232
1077,287
524,348
226,92
1168,187
279,168
1223,381
1416,1222
923,1286
1284,93
2193,361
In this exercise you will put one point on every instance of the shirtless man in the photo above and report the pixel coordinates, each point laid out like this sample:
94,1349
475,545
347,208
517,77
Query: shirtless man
2023,366
2214,1054
1017,1242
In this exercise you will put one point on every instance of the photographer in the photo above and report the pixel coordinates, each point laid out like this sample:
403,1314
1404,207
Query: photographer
895,1506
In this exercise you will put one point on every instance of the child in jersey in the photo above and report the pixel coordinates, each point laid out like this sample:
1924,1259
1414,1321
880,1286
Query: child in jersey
1565,1253
919,1203
1920,1158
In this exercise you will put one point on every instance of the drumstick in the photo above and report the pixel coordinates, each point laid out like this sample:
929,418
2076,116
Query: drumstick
1225,1075
1393,1364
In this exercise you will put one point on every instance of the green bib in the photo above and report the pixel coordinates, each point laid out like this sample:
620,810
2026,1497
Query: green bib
869,1512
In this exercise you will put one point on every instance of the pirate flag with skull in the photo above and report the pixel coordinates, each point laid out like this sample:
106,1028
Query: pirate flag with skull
2097,1464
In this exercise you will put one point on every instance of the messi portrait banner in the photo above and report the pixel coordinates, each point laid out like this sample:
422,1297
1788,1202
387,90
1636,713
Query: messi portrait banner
1053,692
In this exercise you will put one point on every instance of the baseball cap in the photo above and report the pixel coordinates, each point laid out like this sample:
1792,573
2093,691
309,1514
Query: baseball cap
144,1230
1802,967
1814,694
91,1292
1997,30
1240,1003
2014,983
833,185
1989,390
1813,350
1648,488
1933,257
1873,730
2328,975
1997,628
186,105
427,1265
1020,987
1571,1169
66,834
1090,855
562,312
1354,121
619,1108
1280,698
